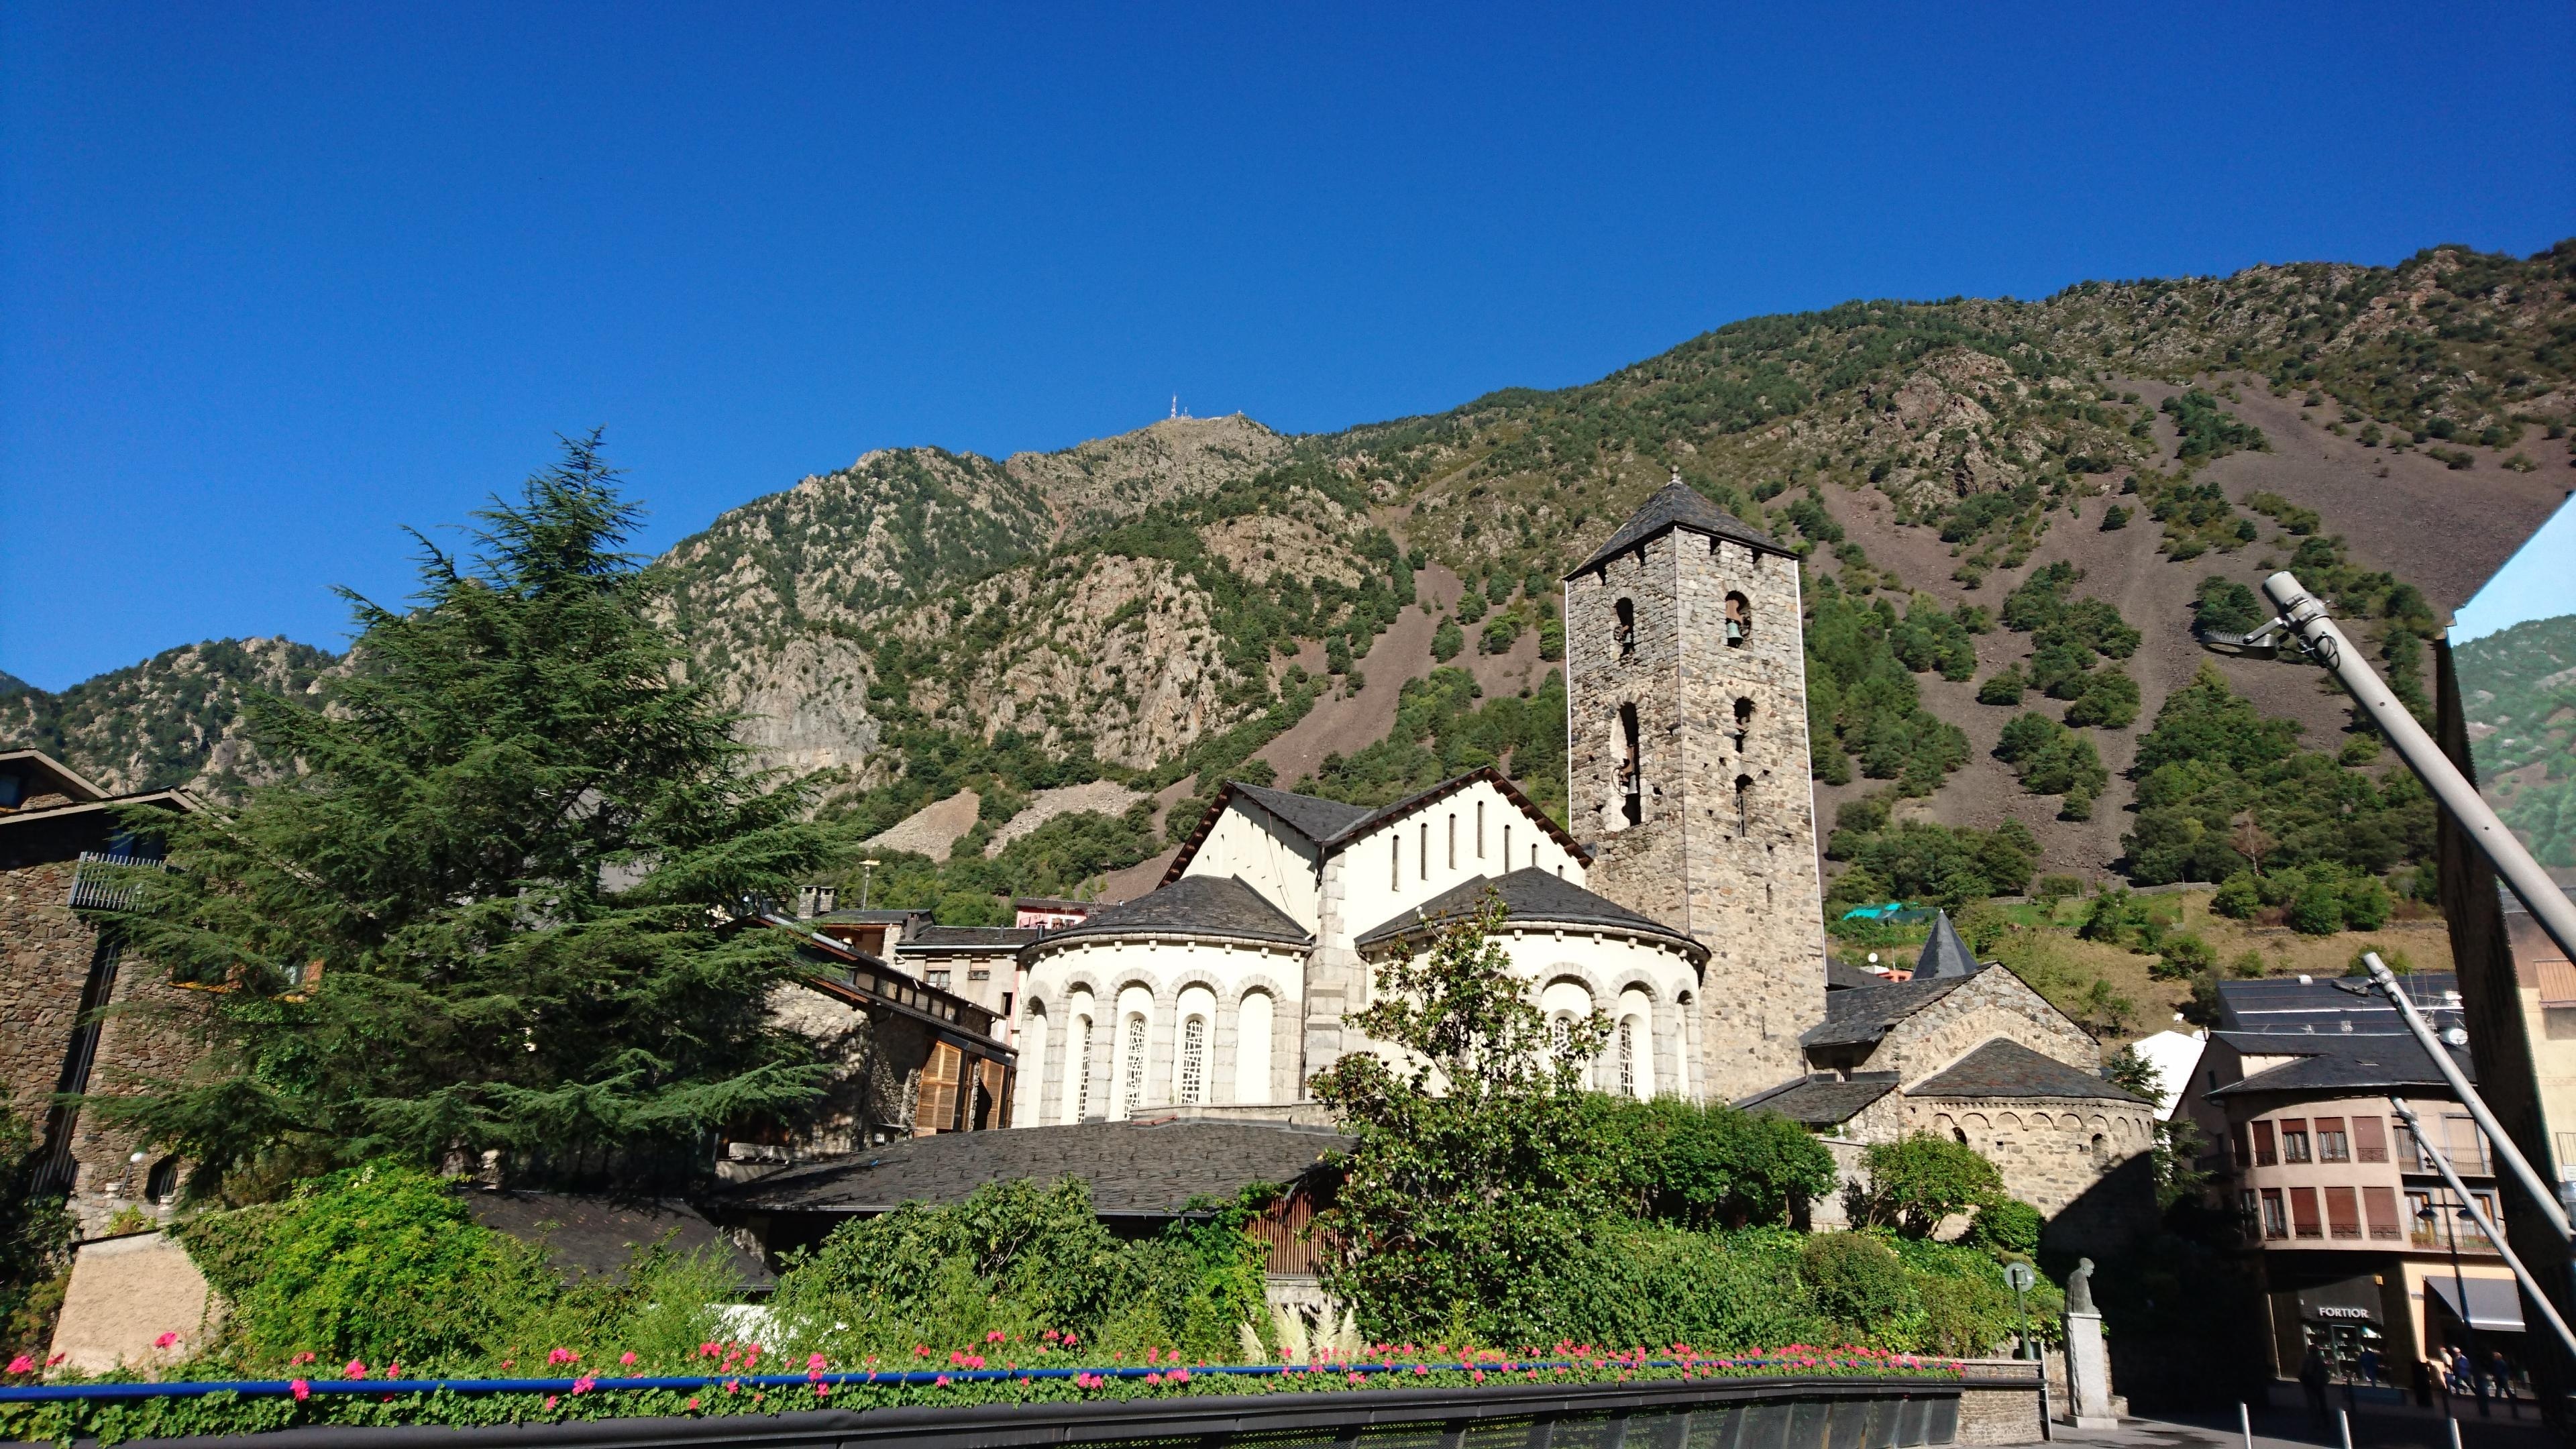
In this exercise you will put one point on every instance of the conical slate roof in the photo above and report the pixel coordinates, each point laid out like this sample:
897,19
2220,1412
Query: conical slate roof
1945,954
1677,505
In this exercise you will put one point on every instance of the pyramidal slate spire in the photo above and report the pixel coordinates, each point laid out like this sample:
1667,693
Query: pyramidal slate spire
1945,954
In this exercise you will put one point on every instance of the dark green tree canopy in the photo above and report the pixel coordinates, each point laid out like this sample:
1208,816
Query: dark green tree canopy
489,912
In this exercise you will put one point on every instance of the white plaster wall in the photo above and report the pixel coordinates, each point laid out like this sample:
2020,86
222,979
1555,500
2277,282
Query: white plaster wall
1575,971
1250,842
1164,979
1382,873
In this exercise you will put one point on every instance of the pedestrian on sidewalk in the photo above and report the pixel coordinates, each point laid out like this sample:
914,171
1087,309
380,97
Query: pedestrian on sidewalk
2312,1382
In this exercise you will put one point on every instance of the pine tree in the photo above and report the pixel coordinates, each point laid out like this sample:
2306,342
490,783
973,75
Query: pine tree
490,911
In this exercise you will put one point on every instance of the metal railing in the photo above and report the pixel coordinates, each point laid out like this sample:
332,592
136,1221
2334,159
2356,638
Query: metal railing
104,880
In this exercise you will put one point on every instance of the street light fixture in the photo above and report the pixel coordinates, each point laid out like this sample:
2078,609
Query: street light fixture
867,868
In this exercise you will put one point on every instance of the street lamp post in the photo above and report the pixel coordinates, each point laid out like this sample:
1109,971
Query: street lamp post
2460,1287
867,869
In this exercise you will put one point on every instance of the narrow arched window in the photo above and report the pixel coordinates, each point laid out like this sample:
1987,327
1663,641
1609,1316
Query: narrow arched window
1625,634
1632,783
1739,620
1133,1089
1081,1055
1194,1060
1743,803
1628,1057
1743,723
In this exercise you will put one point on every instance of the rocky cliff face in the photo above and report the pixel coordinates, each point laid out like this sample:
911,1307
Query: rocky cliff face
1133,599
175,719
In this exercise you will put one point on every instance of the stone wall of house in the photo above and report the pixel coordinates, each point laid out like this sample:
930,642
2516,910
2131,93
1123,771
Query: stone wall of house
875,1070
45,954
1993,1003
1725,846
2050,1153
150,1031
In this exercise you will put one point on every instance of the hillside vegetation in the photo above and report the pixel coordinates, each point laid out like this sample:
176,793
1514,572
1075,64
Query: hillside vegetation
2012,512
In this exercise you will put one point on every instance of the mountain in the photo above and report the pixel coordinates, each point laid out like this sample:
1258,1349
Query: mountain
1990,492
175,719
2519,698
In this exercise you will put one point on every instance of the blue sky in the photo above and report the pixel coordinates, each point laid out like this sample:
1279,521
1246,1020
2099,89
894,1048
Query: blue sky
277,280
2536,583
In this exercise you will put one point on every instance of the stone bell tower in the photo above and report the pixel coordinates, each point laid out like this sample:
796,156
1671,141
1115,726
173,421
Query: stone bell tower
1686,700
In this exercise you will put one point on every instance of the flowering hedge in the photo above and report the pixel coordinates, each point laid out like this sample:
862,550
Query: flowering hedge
121,1408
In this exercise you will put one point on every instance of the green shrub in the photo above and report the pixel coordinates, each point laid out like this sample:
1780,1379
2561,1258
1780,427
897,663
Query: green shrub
2183,956
2316,908
2004,688
2365,903
1705,1165
1448,641
1917,1181
2238,897
2006,1225
1020,1258
1857,1282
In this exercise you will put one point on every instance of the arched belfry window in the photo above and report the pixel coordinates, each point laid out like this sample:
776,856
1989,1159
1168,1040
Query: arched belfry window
1739,620
1625,635
1743,804
1743,722
1632,783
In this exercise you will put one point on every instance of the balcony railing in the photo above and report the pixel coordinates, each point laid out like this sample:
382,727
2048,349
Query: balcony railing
104,880
2468,1237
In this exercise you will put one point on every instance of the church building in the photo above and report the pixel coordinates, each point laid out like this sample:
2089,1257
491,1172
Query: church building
1685,902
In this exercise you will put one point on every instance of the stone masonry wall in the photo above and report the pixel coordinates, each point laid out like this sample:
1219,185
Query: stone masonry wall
1993,1003
151,1032
2049,1152
1733,866
45,955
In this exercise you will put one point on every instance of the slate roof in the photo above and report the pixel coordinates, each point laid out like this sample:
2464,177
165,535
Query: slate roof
1529,895
1839,977
593,1237
1822,1101
1197,905
1150,1168
967,938
1329,824
1863,1014
1944,954
2335,1061
2286,1003
2003,1068
1317,819
1677,505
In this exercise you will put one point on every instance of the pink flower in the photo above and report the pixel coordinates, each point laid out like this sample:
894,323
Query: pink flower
301,1390
583,1384
165,1340
693,1402
550,1401
22,1365
627,1358
996,1336
355,1370
814,1362
1418,1370
822,1391
1179,1376
943,1381
1158,1378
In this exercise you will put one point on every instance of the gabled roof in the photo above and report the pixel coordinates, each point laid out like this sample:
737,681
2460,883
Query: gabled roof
2003,1068
2336,1061
592,1237
1822,1100
967,938
1311,816
1862,1014
1677,505
1842,977
1945,956
1331,826
1198,905
1151,1168
46,775
1530,897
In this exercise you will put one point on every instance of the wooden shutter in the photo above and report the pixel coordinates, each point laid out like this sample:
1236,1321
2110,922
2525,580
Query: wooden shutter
937,1109
2370,1142
2343,1212
2264,1156
2379,1205
2303,1213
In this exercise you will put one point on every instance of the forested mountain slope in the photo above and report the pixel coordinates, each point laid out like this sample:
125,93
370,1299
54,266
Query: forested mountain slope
2024,503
